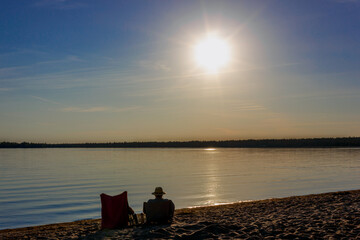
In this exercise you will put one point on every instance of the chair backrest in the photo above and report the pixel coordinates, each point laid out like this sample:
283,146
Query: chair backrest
157,211
114,210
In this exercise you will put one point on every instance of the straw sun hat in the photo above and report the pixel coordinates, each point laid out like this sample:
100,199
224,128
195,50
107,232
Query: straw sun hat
158,191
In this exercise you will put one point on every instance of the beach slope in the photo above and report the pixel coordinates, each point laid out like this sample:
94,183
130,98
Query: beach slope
321,216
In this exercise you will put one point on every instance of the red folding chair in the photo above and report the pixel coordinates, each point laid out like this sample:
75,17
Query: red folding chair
114,211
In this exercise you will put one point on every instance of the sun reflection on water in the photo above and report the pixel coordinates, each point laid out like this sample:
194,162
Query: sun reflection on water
210,149
212,181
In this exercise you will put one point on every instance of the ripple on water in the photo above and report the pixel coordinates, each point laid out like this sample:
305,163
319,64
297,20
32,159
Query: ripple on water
43,186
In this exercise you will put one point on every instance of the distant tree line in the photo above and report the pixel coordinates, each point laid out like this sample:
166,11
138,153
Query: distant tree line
250,143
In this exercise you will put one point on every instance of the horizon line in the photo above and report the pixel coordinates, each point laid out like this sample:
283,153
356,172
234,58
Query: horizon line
180,141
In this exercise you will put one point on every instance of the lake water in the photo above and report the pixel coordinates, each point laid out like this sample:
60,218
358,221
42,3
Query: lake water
42,186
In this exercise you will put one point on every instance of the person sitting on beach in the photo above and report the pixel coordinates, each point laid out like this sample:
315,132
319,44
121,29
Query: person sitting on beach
159,210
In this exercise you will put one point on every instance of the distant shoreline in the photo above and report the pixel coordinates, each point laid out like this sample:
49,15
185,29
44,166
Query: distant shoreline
250,143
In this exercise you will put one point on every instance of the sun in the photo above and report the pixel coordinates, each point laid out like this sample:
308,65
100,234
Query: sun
212,53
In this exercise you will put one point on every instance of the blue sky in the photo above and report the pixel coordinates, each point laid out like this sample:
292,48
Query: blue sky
96,71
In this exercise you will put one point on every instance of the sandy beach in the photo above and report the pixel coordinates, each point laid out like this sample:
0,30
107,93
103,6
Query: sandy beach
321,216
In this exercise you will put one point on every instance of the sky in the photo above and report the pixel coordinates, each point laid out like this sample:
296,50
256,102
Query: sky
108,71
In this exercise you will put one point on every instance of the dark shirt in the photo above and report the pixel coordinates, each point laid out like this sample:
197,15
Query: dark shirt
159,210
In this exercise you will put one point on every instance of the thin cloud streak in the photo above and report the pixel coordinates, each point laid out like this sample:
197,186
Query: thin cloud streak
19,52
245,107
45,100
69,58
60,4
86,109
11,69
5,89
97,109
154,65
347,1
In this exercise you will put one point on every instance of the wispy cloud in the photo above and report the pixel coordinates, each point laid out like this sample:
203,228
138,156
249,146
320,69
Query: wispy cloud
45,100
154,65
85,109
347,1
7,70
69,58
235,106
21,51
5,89
97,109
25,71
60,4
249,107
90,109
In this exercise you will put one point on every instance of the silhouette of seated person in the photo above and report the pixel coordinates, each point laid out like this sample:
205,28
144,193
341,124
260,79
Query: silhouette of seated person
159,210
115,211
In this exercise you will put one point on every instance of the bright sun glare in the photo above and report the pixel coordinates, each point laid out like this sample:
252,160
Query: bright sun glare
212,53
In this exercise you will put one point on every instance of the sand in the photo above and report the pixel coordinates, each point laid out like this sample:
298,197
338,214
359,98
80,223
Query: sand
320,216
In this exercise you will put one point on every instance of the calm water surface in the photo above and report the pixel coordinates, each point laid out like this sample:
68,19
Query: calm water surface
41,186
